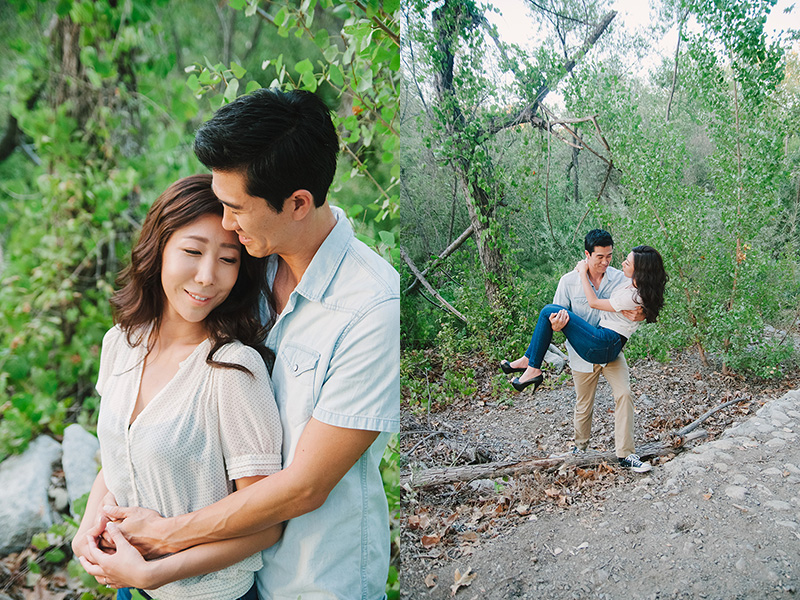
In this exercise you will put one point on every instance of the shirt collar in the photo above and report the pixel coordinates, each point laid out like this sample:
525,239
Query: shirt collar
327,259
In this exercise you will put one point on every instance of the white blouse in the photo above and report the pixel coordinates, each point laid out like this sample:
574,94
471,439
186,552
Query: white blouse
205,428
623,298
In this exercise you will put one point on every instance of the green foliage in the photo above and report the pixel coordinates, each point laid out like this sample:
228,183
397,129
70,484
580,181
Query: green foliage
390,472
354,62
712,187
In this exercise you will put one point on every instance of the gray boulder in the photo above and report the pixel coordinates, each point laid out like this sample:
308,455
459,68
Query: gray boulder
24,504
80,461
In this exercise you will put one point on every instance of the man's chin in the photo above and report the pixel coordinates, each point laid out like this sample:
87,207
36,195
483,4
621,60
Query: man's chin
255,251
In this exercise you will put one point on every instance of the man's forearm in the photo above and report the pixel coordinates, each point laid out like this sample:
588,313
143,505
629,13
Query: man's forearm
257,507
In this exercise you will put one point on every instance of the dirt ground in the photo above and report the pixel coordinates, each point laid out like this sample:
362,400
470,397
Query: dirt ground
603,532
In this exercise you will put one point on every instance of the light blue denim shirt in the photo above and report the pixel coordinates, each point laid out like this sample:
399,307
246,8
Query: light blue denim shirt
570,294
337,347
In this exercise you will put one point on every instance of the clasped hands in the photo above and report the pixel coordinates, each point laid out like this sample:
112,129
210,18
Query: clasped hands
108,555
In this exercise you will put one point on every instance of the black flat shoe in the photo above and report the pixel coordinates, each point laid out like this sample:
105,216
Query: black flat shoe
537,381
506,367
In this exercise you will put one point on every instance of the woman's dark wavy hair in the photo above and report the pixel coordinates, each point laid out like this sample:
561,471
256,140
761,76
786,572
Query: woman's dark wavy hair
140,298
650,279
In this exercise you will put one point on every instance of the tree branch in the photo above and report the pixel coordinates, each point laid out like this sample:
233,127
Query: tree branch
445,253
445,304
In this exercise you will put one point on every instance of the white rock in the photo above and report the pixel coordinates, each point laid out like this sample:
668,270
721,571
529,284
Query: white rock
778,505
775,443
24,503
80,461
789,524
736,492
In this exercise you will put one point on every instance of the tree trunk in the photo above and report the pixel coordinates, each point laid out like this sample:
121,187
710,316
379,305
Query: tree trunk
481,202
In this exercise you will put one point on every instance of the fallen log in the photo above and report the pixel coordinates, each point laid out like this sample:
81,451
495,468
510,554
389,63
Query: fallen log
444,475
677,441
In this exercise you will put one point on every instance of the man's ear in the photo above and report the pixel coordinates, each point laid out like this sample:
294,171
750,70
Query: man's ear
586,252
300,203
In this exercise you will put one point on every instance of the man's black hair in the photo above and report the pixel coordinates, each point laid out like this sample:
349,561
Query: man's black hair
280,141
597,237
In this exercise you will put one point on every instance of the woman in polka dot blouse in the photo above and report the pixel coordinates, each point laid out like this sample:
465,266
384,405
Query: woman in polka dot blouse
187,412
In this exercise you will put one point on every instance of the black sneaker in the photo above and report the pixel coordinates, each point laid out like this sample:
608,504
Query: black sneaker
634,463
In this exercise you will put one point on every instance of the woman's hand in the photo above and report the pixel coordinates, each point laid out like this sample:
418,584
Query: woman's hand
581,267
140,527
123,568
80,545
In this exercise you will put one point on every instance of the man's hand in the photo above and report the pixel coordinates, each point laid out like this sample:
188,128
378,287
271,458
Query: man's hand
123,568
637,314
559,320
142,527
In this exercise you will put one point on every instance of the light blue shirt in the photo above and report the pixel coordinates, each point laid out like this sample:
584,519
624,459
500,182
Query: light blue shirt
570,295
337,347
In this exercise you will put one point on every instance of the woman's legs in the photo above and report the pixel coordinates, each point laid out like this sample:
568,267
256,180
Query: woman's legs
594,344
540,341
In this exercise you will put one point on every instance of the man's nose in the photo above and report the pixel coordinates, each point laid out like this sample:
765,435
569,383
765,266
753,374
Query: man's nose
228,220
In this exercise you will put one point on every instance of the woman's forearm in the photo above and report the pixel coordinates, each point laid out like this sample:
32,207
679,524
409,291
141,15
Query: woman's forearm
207,558
591,297
588,290
90,515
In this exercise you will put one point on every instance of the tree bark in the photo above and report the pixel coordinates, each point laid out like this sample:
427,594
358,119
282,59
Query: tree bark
677,441
445,253
481,202
446,475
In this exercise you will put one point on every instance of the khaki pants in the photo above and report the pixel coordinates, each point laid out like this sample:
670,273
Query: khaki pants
617,376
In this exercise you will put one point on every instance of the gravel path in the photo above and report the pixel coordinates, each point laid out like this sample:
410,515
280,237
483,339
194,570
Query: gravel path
721,521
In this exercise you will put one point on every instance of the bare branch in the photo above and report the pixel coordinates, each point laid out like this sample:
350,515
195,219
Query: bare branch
445,253
444,303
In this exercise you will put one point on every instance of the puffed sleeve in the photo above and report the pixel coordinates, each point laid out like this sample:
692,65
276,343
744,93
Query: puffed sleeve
623,299
249,424
111,341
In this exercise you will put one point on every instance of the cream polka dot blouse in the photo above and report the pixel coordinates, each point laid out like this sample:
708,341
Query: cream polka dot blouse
205,428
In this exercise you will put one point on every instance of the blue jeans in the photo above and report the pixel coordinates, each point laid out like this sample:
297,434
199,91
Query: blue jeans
596,345
125,594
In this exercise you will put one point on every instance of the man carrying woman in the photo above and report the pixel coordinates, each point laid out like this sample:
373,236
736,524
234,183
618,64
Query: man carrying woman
598,307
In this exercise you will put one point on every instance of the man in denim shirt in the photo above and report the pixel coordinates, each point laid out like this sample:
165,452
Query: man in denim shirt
336,336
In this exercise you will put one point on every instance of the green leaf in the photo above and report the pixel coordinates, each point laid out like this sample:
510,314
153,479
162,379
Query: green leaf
238,70
280,17
387,237
391,6
365,82
193,83
237,4
335,73
355,210
252,86
330,53
56,555
309,82
39,541
304,66
232,90
322,39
